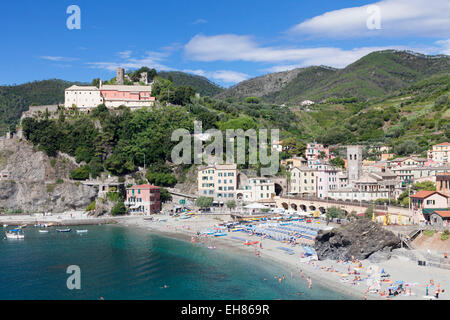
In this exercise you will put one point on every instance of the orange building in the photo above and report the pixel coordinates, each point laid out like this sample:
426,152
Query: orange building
443,183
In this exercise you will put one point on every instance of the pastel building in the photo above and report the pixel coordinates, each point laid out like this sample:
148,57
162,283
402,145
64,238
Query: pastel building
112,96
443,183
144,199
130,96
315,150
256,190
218,182
303,181
83,97
429,200
440,152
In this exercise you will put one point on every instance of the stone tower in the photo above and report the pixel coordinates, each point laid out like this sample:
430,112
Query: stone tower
120,76
354,163
144,77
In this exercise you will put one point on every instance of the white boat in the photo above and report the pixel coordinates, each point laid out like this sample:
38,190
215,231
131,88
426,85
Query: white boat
63,230
15,234
5,226
43,231
82,231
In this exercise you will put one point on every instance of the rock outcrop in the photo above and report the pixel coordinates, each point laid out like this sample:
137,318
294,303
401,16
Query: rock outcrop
31,182
360,239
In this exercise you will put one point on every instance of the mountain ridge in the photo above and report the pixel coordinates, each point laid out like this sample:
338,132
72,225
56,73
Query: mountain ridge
374,75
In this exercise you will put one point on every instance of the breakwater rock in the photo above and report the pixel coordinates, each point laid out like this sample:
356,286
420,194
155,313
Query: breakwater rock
360,239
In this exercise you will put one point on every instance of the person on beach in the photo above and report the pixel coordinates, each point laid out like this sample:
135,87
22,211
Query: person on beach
280,280
301,274
309,282
426,290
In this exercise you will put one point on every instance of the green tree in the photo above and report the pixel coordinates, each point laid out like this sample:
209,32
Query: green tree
204,202
369,212
231,204
119,209
293,147
337,162
81,173
165,196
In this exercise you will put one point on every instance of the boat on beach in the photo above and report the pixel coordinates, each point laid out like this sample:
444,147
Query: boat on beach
220,234
15,234
63,230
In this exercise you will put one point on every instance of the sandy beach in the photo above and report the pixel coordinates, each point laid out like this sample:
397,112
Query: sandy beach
326,273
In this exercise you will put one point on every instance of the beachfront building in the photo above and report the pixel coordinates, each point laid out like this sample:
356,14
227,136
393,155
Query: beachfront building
218,182
351,194
429,200
439,218
258,189
440,153
143,199
303,181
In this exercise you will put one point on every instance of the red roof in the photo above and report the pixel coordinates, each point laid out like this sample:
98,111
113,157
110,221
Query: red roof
422,194
443,144
144,186
443,214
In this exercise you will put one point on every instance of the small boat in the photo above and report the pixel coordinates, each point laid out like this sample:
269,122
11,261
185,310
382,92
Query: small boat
220,234
23,226
82,231
43,231
63,230
15,234
5,226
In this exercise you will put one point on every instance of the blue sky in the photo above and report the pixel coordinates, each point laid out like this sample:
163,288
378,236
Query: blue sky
226,41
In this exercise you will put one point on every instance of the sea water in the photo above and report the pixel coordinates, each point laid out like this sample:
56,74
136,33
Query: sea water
119,262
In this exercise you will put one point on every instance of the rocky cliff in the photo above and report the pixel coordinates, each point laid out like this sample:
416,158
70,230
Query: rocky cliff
360,239
31,182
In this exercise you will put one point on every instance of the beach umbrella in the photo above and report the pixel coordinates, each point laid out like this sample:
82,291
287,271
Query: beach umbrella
373,216
400,219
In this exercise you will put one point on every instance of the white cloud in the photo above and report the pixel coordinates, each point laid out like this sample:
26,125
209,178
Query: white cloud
200,21
58,59
151,59
224,76
125,54
228,76
231,47
398,18
444,46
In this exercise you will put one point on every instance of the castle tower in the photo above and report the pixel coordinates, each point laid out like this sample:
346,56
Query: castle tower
144,77
120,76
354,163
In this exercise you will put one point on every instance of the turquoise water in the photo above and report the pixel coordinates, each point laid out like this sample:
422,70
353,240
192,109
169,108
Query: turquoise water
124,263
